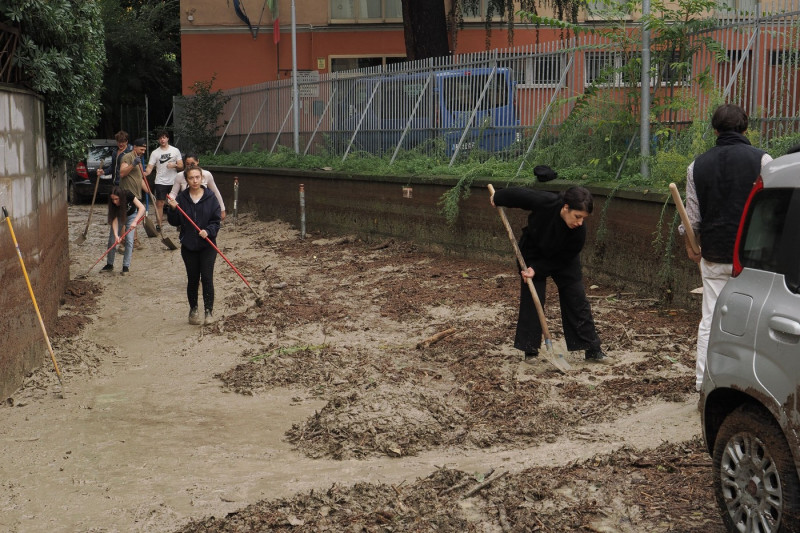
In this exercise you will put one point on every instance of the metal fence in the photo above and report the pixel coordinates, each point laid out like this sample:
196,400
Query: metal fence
505,103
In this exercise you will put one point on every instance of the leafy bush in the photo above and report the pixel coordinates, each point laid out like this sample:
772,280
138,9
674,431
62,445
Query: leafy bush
199,117
62,56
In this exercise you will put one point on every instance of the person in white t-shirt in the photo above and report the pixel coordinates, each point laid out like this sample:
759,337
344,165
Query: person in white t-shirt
168,162
189,161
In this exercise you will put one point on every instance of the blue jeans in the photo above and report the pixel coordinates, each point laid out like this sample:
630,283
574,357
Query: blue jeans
126,258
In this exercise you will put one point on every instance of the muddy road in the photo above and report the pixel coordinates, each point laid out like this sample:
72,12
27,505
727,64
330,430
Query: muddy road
335,406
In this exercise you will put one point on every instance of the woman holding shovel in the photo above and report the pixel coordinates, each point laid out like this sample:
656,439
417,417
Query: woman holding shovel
201,205
122,206
551,244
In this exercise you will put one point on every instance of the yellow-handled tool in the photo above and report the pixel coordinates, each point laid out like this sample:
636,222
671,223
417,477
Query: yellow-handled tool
33,298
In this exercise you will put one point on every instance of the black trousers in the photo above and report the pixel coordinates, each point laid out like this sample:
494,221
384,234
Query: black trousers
200,267
576,313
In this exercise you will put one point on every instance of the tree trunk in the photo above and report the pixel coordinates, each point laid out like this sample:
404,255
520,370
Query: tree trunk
425,28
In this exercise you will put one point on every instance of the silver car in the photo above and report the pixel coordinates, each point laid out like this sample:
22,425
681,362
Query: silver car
749,399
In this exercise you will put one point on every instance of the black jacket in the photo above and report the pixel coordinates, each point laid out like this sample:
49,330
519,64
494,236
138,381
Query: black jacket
206,214
723,178
547,243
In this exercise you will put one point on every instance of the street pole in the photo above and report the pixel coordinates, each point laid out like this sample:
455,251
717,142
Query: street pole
644,125
295,95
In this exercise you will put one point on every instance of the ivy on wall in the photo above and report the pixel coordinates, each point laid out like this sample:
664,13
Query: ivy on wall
62,55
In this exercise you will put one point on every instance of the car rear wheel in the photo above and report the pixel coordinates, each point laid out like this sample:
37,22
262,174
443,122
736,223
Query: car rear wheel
755,480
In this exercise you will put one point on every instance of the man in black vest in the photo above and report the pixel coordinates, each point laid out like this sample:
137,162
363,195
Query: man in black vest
718,183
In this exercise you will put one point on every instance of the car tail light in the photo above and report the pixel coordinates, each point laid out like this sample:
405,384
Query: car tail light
82,171
737,264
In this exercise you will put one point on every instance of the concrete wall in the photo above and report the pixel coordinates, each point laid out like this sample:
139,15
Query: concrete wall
35,197
623,236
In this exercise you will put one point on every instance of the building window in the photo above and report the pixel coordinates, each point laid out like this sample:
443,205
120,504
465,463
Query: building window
616,69
544,70
339,64
607,10
602,68
788,58
612,69
366,10
725,7
540,70
675,73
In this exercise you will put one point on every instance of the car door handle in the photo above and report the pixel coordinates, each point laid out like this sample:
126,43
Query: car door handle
785,325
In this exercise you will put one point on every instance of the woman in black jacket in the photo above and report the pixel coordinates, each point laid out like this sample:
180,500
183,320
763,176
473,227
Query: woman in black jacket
551,244
199,256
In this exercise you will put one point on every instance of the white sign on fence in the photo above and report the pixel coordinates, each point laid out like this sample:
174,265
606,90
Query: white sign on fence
308,83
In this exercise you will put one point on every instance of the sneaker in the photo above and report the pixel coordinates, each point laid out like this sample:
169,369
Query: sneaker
209,317
108,268
125,270
532,355
596,355
158,228
194,317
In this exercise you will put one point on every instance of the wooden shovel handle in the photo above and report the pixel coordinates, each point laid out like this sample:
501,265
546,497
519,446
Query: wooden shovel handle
676,197
94,197
523,266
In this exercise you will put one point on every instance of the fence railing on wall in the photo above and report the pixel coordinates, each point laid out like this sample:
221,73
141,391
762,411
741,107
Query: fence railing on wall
500,103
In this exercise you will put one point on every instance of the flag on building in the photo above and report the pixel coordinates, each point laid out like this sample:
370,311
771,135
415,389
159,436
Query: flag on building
276,24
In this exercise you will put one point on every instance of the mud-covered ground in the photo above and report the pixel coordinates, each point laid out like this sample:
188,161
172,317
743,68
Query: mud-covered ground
375,390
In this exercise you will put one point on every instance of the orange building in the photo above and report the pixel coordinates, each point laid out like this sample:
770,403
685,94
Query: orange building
331,35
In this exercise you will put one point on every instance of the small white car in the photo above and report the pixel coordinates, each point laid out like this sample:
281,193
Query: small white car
751,388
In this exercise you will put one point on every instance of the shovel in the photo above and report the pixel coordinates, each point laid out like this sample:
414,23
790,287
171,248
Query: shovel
82,237
149,227
676,197
557,360
166,240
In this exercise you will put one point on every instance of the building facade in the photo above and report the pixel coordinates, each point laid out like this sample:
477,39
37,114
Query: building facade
246,42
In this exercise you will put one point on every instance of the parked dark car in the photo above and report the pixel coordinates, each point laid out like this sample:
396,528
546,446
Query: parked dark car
82,177
750,401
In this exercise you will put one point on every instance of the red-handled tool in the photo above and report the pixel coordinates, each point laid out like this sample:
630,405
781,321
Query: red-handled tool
259,301
110,248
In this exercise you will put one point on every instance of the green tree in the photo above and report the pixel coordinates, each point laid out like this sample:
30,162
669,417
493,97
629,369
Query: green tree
200,114
61,56
142,40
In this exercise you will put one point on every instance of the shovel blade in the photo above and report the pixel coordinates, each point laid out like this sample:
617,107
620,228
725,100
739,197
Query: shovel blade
168,243
557,359
81,239
149,227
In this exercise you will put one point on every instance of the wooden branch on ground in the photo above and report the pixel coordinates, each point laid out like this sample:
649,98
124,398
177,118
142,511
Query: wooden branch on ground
464,483
433,339
483,485
501,512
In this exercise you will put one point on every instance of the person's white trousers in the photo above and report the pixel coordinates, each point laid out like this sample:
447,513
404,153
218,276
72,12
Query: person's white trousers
715,276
